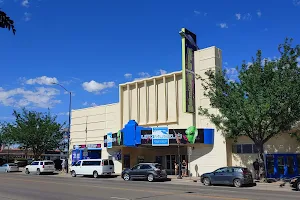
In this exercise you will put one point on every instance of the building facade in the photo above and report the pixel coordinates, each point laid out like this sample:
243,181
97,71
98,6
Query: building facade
124,131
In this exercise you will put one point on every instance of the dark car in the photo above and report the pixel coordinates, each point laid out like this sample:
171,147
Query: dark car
295,183
236,176
147,171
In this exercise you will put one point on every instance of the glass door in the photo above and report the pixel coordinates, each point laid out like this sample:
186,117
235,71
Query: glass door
170,164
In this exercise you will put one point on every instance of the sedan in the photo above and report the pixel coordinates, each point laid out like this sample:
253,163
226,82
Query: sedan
10,167
236,176
147,171
295,183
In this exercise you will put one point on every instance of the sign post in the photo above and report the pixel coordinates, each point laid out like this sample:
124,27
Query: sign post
190,151
85,152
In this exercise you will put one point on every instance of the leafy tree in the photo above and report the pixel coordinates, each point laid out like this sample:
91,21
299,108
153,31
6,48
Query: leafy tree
35,131
263,103
6,22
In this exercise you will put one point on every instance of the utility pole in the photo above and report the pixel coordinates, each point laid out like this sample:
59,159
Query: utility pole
69,122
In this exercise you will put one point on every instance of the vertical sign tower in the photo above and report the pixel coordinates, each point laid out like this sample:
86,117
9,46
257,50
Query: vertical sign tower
189,45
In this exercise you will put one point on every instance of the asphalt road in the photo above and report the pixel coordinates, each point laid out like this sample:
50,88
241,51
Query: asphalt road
30,187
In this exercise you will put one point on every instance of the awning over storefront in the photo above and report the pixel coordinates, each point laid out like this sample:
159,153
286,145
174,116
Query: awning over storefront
133,135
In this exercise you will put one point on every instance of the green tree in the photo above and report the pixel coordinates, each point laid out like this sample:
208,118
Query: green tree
35,131
6,22
263,103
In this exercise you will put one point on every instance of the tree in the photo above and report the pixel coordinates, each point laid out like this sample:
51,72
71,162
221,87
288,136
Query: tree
35,131
263,103
6,22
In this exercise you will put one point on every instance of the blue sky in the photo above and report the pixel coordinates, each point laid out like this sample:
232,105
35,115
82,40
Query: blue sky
92,46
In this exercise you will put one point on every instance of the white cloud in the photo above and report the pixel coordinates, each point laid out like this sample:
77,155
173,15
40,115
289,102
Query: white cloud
27,16
41,97
197,12
259,13
128,75
85,103
238,16
222,25
96,87
247,16
142,75
62,114
232,74
161,72
43,80
296,2
25,3
93,104
298,60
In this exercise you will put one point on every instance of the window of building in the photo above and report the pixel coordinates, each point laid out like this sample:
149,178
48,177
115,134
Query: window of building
244,149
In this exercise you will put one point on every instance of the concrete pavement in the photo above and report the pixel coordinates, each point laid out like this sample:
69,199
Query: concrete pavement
190,182
30,187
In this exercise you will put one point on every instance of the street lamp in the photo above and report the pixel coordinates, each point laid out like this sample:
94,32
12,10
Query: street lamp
70,107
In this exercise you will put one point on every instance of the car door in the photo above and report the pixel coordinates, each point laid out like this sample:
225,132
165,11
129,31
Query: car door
77,167
33,166
219,176
134,172
144,170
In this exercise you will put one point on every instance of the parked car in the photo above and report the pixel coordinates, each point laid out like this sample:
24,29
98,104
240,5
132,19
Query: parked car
147,171
10,167
95,167
295,183
39,167
236,176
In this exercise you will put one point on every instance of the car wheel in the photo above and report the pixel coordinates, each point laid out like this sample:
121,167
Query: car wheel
27,171
38,172
298,187
237,183
126,177
73,173
95,174
206,182
150,178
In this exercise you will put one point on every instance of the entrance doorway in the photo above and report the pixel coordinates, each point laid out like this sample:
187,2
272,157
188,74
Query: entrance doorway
169,163
282,165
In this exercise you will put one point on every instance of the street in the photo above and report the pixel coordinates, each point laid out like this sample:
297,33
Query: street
29,187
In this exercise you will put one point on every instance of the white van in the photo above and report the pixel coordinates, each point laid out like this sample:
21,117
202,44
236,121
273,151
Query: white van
95,167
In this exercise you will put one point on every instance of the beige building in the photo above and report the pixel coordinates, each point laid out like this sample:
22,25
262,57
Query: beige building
158,102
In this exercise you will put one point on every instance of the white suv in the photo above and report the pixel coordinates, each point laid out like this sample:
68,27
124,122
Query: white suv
38,167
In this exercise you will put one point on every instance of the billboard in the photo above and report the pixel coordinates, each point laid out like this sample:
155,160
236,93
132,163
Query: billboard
190,135
189,45
116,139
160,136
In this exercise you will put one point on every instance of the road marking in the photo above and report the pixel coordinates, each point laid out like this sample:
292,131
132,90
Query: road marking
119,198
127,189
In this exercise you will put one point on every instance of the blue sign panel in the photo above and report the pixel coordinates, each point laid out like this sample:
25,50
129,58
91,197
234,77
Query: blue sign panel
109,140
160,136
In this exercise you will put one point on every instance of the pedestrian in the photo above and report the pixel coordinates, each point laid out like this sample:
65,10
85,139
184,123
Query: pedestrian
176,166
183,168
63,165
256,169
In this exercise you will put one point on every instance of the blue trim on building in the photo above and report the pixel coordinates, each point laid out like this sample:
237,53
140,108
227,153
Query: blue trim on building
209,135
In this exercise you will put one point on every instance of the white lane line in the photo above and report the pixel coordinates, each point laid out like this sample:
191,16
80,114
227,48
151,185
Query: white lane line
119,198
